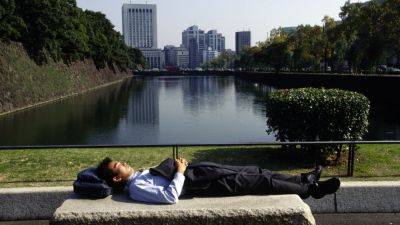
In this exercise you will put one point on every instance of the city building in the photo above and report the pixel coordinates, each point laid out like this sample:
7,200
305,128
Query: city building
168,52
209,55
215,41
155,58
181,57
176,56
139,27
193,39
242,39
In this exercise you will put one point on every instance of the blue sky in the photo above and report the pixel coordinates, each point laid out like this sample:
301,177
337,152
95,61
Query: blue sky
226,16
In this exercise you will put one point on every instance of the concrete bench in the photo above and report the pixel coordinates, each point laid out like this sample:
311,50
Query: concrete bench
119,209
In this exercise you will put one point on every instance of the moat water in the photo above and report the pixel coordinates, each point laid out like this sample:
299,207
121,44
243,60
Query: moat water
164,110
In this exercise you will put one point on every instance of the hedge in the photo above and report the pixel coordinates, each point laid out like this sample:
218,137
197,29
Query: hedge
312,114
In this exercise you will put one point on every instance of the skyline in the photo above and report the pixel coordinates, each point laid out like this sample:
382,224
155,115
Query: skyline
260,17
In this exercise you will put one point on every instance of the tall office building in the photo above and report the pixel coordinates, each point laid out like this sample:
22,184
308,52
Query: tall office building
194,40
215,41
139,26
242,39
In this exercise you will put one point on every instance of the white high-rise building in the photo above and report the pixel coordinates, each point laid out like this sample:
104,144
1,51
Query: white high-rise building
139,25
215,41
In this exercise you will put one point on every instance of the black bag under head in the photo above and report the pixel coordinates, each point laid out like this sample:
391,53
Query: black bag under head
88,184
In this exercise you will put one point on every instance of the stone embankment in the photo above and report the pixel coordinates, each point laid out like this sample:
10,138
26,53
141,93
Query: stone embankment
24,84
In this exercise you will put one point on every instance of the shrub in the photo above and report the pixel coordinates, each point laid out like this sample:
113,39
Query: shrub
312,114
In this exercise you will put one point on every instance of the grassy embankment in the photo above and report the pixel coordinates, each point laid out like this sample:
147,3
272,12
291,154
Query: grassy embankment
24,84
373,162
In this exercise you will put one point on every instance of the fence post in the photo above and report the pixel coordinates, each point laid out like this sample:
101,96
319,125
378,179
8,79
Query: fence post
350,160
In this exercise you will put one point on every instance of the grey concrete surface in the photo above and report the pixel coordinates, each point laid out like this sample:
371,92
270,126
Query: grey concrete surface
352,197
358,219
31,203
363,197
119,209
320,219
324,205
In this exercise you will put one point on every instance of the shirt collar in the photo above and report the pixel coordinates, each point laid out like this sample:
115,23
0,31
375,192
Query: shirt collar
131,178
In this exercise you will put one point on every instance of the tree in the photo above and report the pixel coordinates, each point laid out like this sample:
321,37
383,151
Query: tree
362,27
246,59
391,26
53,28
328,39
10,24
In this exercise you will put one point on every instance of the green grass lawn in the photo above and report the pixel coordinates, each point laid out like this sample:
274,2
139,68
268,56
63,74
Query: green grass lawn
56,167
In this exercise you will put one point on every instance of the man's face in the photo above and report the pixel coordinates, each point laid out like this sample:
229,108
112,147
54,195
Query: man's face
122,170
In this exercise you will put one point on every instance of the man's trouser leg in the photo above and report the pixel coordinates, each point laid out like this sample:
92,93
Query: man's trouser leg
264,183
277,176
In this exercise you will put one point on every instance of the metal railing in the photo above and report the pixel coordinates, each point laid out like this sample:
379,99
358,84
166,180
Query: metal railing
175,147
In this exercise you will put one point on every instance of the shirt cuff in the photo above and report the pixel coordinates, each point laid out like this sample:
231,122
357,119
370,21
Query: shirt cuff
179,176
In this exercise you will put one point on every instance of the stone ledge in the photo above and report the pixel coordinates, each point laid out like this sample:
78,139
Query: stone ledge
282,209
31,203
369,197
359,197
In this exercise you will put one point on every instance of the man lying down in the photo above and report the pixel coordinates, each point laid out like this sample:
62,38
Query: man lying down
174,178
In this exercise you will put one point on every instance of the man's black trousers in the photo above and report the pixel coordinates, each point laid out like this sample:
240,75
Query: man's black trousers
252,180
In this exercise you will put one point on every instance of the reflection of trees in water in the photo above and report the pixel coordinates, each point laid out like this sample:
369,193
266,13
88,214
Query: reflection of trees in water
206,92
384,123
251,94
69,121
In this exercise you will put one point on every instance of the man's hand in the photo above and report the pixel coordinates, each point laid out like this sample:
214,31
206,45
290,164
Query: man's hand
181,165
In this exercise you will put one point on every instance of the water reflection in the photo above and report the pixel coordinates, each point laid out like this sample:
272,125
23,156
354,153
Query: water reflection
141,126
71,121
205,93
384,123
165,110
251,95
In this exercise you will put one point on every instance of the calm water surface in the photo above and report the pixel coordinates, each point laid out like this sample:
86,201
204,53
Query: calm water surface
162,110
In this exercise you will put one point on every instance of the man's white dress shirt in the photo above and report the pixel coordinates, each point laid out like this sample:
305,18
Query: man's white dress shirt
144,187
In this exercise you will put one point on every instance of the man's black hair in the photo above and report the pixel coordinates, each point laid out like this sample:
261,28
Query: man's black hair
106,173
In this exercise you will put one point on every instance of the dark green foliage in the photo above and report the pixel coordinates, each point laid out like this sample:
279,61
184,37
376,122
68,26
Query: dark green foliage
311,114
10,24
59,30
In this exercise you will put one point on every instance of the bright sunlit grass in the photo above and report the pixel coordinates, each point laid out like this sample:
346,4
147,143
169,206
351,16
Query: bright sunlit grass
56,167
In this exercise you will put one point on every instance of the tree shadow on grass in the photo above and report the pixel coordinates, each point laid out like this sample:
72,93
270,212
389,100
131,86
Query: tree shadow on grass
271,158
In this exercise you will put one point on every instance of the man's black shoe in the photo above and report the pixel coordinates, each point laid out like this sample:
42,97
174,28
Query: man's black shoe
311,177
322,188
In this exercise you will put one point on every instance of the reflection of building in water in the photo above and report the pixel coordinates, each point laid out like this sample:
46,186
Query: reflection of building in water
251,95
171,83
143,105
204,92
